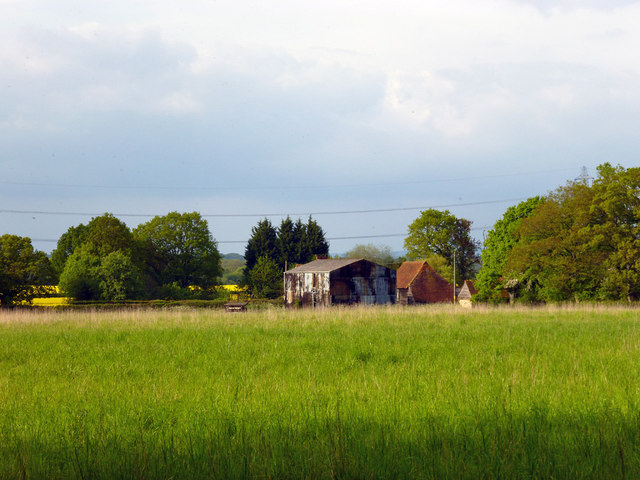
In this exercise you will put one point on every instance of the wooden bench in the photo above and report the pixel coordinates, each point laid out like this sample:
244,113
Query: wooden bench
235,307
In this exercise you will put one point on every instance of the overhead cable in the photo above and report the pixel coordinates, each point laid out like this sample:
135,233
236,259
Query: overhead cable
292,214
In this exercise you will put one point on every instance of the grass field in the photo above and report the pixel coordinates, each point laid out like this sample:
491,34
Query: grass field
354,393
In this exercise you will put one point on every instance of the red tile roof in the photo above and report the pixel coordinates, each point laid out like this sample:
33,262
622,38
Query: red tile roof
427,285
407,272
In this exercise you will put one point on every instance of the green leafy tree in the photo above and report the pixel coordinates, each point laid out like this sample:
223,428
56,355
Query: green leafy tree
557,256
80,277
104,234
440,265
583,243
22,270
442,233
120,278
107,234
183,249
616,205
67,243
380,254
499,242
266,278
94,257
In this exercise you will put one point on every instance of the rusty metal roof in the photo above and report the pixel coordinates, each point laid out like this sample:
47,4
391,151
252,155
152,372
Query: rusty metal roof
324,265
407,272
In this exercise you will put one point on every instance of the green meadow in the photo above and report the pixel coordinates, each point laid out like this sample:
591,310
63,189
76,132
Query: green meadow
342,393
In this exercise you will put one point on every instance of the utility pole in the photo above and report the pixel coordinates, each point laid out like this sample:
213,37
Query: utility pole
454,277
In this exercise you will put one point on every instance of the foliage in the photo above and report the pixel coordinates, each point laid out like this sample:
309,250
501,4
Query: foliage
21,269
232,270
442,233
582,243
313,242
266,278
290,244
80,278
100,261
440,265
119,278
262,243
380,254
67,243
499,242
107,234
182,249
104,233
349,393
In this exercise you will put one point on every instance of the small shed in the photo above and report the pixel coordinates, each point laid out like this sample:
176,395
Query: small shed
418,282
343,281
466,292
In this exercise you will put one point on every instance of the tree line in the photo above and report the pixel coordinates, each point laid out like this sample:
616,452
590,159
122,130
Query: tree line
170,257
579,242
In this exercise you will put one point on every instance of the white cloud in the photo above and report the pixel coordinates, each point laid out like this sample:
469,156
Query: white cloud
285,92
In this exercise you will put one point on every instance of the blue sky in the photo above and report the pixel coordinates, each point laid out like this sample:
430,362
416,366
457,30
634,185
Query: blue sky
238,109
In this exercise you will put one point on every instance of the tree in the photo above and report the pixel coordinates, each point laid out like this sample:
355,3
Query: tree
266,278
442,233
291,243
616,205
288,237
67,243
120,278
80,277
582,243
313,242
557,257
22,270
380,254
441,266
104,233
185,251
499,242
262,243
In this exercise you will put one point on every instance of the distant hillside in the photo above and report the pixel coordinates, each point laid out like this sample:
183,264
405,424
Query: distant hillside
233,256
233,266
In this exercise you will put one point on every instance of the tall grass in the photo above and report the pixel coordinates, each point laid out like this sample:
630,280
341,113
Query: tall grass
345,393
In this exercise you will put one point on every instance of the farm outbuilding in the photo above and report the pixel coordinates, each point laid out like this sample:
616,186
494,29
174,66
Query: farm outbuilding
343,281
466,292
418,282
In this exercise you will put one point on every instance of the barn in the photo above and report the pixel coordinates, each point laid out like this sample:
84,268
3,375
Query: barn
343,281
418,282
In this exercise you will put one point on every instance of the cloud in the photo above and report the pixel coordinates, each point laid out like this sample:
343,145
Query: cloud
239,94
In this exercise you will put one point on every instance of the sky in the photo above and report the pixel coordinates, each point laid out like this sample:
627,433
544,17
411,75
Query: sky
360,113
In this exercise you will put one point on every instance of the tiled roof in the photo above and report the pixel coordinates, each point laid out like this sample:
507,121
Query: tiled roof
430,287
467,290
407,272
324,265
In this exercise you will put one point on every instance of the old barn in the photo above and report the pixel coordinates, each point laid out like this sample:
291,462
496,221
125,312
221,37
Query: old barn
418,282
343,281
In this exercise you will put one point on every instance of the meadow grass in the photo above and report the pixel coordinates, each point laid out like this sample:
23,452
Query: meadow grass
340,393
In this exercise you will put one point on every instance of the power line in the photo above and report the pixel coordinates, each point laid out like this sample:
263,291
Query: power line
239,215
354,237
277,187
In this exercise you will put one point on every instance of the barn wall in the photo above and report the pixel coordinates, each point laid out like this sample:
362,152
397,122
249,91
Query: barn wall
306,289
360,282
363,282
